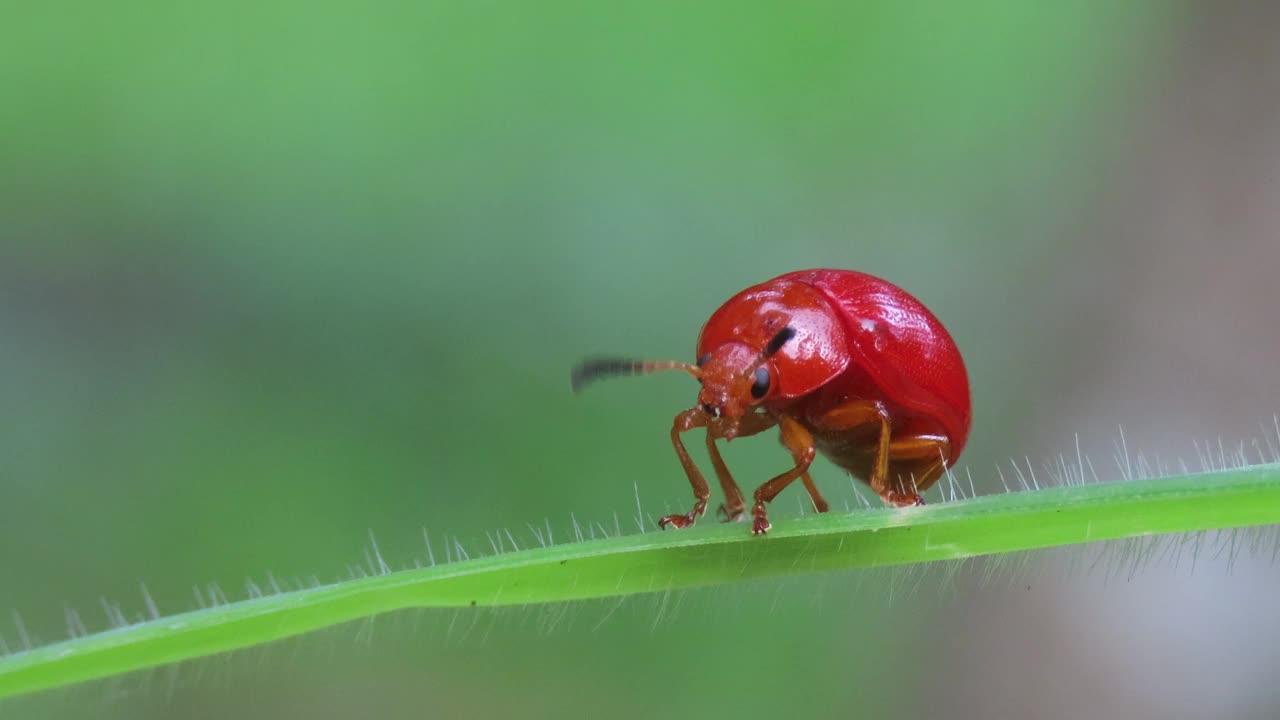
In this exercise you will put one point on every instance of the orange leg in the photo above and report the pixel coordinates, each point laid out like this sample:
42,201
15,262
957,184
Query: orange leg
800,443
860,414
929,451
819,503
684,422
732,508
695,418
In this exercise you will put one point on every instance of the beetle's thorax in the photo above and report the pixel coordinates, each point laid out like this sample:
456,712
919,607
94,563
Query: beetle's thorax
814,355
726,381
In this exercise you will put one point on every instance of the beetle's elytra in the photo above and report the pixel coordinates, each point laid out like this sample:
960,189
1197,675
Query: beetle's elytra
842,363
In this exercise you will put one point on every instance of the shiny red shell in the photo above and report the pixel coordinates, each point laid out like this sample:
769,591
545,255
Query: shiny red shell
857,338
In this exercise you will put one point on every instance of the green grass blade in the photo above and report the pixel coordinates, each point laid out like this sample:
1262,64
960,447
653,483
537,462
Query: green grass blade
709,554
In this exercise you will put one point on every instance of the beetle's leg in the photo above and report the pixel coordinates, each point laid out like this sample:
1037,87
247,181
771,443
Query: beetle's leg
733,505
684,422
819,503
732,508
858,414
800,443
929,453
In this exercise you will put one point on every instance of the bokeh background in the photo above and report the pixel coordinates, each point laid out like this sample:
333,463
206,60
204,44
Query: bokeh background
276,275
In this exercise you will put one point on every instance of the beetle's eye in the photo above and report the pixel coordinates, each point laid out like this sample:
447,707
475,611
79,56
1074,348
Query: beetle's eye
703,360
761,386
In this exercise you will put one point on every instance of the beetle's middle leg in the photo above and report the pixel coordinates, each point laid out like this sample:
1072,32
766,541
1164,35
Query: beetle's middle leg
820,503
874,417
800,442
920,459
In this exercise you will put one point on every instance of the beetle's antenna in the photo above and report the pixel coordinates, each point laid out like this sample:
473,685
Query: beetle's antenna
595,368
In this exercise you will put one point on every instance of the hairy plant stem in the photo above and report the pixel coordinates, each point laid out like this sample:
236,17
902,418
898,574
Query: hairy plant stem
709,554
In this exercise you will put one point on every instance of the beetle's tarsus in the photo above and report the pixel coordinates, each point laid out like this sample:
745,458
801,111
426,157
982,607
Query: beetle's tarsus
729,517
897,499
760,520
676,521
686,520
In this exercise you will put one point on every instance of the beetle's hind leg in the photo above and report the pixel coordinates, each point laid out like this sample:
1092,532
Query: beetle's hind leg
916,463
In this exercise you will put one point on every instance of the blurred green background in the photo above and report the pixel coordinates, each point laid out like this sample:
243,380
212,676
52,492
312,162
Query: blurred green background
273,276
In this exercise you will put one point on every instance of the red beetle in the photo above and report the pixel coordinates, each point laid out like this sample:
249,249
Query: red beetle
843,363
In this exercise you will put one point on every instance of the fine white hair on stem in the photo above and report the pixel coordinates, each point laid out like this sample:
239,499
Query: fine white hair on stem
23,636
1126,469
431,554
382,568
75,624
640,524
537,534
153,613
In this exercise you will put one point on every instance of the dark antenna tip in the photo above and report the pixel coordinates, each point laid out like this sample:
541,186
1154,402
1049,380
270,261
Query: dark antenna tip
595,368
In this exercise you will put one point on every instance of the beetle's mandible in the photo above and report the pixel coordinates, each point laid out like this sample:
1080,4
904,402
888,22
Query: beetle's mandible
842,363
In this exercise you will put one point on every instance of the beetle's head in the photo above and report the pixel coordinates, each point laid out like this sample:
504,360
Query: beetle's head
735,378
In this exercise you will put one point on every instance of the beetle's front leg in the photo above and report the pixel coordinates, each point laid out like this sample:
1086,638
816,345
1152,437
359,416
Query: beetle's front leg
684,422
733,507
